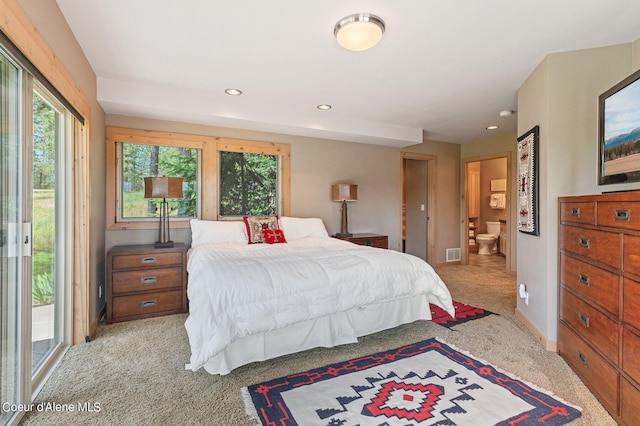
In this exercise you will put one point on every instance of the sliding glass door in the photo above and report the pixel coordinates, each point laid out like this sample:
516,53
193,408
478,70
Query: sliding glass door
34,242
11,389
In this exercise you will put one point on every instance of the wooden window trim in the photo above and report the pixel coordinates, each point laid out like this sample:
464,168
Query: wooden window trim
209,146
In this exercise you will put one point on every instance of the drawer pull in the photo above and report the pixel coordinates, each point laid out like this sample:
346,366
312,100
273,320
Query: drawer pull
622,215
146,260
148,303
148,280
584,280
583,359
585,319
584,242
575,212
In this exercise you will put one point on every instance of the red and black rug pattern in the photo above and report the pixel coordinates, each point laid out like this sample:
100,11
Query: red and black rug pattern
464,313
425,383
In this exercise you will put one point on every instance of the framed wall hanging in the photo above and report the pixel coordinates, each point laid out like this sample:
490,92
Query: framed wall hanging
528,182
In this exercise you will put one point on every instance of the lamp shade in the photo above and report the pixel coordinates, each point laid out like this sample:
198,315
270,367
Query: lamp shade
360,31
163,187
344,192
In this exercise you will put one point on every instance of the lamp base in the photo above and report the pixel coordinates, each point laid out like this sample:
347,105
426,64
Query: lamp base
166,244
344,234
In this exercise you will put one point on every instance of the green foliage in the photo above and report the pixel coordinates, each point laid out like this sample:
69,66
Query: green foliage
248,184
44,144
140,161
42,289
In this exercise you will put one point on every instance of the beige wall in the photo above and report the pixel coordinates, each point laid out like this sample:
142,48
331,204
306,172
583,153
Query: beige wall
561,96
489,170
50,23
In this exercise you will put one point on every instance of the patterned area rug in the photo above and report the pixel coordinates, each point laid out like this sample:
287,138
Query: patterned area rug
464,313
427,383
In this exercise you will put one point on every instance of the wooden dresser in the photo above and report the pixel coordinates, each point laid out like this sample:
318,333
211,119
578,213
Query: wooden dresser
599,297
372,240
144,281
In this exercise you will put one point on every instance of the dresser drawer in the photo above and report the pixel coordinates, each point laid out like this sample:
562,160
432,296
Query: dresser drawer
597,285
629,403
591,324
631,354
379,242
579,212
619,214
147,279
598,375
140,305
146,260
631,254
598,245
631,303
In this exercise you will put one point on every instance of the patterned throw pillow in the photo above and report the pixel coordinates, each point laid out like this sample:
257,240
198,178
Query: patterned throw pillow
257,224
273,236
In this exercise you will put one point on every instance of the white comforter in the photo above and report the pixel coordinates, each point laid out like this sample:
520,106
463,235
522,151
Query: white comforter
237,289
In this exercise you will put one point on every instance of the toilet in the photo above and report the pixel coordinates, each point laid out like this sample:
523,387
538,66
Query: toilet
488,243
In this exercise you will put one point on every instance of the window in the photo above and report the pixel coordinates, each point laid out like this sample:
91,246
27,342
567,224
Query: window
142,160
248,184
224,178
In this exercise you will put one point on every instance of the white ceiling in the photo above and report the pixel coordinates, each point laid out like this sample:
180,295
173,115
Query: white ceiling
443,70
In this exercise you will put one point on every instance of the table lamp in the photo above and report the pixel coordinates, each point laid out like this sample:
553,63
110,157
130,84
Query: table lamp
163,187
344,192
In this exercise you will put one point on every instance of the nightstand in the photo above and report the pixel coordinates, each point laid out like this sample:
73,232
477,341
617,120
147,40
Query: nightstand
144,281
371,240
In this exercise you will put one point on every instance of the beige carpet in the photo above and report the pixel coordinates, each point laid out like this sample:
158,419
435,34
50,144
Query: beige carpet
135,370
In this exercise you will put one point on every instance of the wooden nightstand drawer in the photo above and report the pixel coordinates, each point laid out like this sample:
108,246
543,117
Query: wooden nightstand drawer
147,304
629,403
144,281
127,261
147,280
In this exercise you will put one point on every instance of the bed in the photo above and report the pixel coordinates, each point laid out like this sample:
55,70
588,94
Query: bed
256,301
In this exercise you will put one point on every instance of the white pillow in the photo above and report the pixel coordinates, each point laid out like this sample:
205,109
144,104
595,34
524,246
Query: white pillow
295,228
212,231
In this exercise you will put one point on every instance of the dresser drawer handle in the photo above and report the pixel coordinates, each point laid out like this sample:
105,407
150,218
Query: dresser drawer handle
148,280
585,319
583,359
622,215
584,280
149,260
575,212
584,242
148,303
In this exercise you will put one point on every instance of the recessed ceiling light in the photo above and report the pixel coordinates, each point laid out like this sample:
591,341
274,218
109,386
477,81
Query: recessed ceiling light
323,107
233,92
506,113
494,127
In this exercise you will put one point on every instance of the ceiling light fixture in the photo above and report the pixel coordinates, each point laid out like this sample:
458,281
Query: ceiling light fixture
360,31
494,127
506,113
324,107
233,92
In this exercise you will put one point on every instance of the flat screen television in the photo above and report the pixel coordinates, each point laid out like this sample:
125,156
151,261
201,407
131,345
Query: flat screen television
619,132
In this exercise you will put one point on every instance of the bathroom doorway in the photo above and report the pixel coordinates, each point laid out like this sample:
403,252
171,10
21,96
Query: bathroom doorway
487,221
418,205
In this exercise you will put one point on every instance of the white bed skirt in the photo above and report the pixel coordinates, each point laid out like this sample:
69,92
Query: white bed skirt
337,329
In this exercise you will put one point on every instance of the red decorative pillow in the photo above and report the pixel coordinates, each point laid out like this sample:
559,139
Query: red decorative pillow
273,236
257,224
